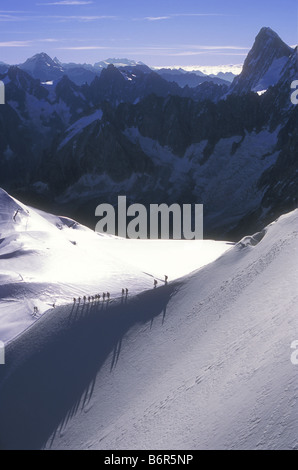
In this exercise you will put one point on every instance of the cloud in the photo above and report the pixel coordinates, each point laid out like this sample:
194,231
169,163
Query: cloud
207,69
157,18
83,48
67,2
28,43
217,48
15,44
176,15
215,69
62,18
186,49
47,40
213,52
164,51
82,18
10,18
198,14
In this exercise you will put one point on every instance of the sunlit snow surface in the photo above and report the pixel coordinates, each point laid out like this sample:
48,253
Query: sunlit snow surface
212,370
46,260
204,363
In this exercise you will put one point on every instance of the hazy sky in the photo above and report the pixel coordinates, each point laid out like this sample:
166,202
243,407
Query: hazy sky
157,32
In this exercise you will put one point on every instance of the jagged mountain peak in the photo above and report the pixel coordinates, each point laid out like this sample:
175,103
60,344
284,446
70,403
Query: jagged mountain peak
66,83
266,31
43,67
269,38
21,78
111,73
264,64
57,61
41,57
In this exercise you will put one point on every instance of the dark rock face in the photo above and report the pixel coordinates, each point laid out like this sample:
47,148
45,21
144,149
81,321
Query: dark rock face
189,79
281,181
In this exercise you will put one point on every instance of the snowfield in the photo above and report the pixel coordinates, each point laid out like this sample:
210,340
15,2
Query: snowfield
202,363
47,260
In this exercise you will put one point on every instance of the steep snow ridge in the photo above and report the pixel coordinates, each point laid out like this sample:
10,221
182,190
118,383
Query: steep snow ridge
199,364
80,125
272,75
46,259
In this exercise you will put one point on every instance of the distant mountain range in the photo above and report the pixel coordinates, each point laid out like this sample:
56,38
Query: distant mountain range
73,136
43,67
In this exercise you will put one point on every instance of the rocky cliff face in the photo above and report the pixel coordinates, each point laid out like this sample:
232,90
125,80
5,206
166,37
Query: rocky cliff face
264,64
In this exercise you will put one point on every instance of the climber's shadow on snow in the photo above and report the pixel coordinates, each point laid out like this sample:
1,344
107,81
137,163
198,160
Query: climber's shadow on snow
55,377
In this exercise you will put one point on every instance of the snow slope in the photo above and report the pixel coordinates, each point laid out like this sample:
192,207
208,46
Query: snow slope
201,363
273,74
80,125
46,260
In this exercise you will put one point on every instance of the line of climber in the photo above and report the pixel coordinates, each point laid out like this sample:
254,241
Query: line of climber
92,298
107,295
97,297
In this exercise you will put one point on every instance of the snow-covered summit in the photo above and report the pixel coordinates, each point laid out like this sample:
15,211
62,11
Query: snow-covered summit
117,63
